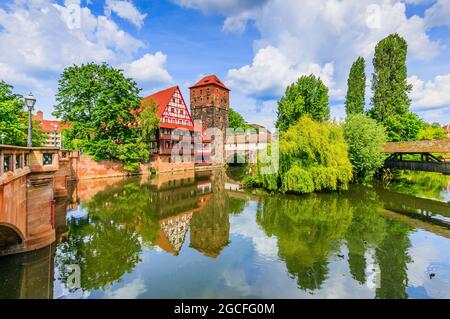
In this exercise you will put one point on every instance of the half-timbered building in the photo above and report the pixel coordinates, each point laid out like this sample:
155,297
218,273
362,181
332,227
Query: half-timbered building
175,125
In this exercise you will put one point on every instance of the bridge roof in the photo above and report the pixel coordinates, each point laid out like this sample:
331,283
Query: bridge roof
436,146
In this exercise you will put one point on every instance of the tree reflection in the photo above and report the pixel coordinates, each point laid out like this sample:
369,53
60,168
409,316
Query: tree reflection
106,242
307,228
310,229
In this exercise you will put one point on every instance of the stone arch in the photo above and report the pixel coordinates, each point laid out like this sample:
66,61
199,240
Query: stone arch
10,235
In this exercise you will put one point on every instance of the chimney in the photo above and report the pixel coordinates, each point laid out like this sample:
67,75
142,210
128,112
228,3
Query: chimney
40,115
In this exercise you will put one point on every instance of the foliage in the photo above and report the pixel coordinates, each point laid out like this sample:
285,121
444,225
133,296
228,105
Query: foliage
403,127
432,132
365,138
389,82
100,102
355,99
313,157
236,120
148,120
308,96
14,119
306,231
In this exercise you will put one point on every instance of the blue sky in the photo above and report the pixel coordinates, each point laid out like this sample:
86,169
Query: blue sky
256,47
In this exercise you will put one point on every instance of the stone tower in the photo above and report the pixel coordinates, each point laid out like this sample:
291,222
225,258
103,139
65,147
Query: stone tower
210,102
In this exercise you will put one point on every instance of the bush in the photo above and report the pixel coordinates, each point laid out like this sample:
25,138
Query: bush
365,138
313,157
432,132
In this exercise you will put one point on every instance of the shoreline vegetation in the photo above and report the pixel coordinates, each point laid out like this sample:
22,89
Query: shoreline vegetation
317,154
108,122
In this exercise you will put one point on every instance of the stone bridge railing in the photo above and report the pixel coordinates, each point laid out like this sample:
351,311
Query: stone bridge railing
30,180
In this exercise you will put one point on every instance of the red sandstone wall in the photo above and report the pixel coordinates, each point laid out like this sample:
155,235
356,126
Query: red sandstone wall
85,167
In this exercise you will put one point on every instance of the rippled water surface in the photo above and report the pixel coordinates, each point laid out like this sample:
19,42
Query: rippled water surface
191,236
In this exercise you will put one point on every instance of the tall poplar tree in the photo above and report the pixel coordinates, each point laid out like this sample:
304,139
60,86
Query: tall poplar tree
389,82
356,90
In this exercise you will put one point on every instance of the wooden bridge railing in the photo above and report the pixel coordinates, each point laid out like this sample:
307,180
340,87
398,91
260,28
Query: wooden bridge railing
437,167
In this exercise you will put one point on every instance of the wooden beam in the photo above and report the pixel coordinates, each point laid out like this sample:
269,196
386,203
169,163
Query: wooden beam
418,147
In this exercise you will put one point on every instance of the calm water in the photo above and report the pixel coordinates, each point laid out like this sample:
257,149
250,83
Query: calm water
195,238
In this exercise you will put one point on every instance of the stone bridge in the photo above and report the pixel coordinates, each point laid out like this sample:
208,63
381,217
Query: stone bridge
30,181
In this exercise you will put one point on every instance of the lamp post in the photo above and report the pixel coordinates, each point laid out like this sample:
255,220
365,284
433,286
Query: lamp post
30,100
55,128
3,138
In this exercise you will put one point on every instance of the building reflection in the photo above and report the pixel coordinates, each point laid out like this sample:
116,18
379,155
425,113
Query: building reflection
109,229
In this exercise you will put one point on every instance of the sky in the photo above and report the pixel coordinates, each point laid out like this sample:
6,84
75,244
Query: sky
256,47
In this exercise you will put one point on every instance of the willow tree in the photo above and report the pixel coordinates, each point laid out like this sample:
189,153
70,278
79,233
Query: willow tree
308,96
313,157
356,88
389,83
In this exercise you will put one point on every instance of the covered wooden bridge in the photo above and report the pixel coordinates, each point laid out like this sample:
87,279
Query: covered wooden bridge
425,159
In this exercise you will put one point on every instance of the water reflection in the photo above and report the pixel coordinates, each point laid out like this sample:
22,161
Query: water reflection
186,235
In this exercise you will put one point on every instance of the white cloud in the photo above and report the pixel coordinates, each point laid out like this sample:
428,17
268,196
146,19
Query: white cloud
126,10
225,7
149,69
438,14
42,38
271,72
315,36
431,94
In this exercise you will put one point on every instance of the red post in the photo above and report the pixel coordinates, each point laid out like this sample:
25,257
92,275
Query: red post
52,205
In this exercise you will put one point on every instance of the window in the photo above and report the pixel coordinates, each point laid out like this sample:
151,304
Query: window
27,160
172,110
6,163
18,162
181,112
47,159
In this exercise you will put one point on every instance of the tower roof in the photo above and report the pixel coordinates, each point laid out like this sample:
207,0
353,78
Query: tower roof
210,79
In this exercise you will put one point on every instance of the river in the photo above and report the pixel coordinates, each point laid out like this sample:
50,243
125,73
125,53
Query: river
199,236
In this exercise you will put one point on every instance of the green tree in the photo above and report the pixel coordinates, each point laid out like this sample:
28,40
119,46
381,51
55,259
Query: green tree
313,157
389,82
365,138
14,119
100,102
235,120
355,100
403,127
148,121
432,132
308,96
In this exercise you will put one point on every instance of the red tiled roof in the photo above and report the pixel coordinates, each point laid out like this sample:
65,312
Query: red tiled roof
161,98
47,125
210,79
175,126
